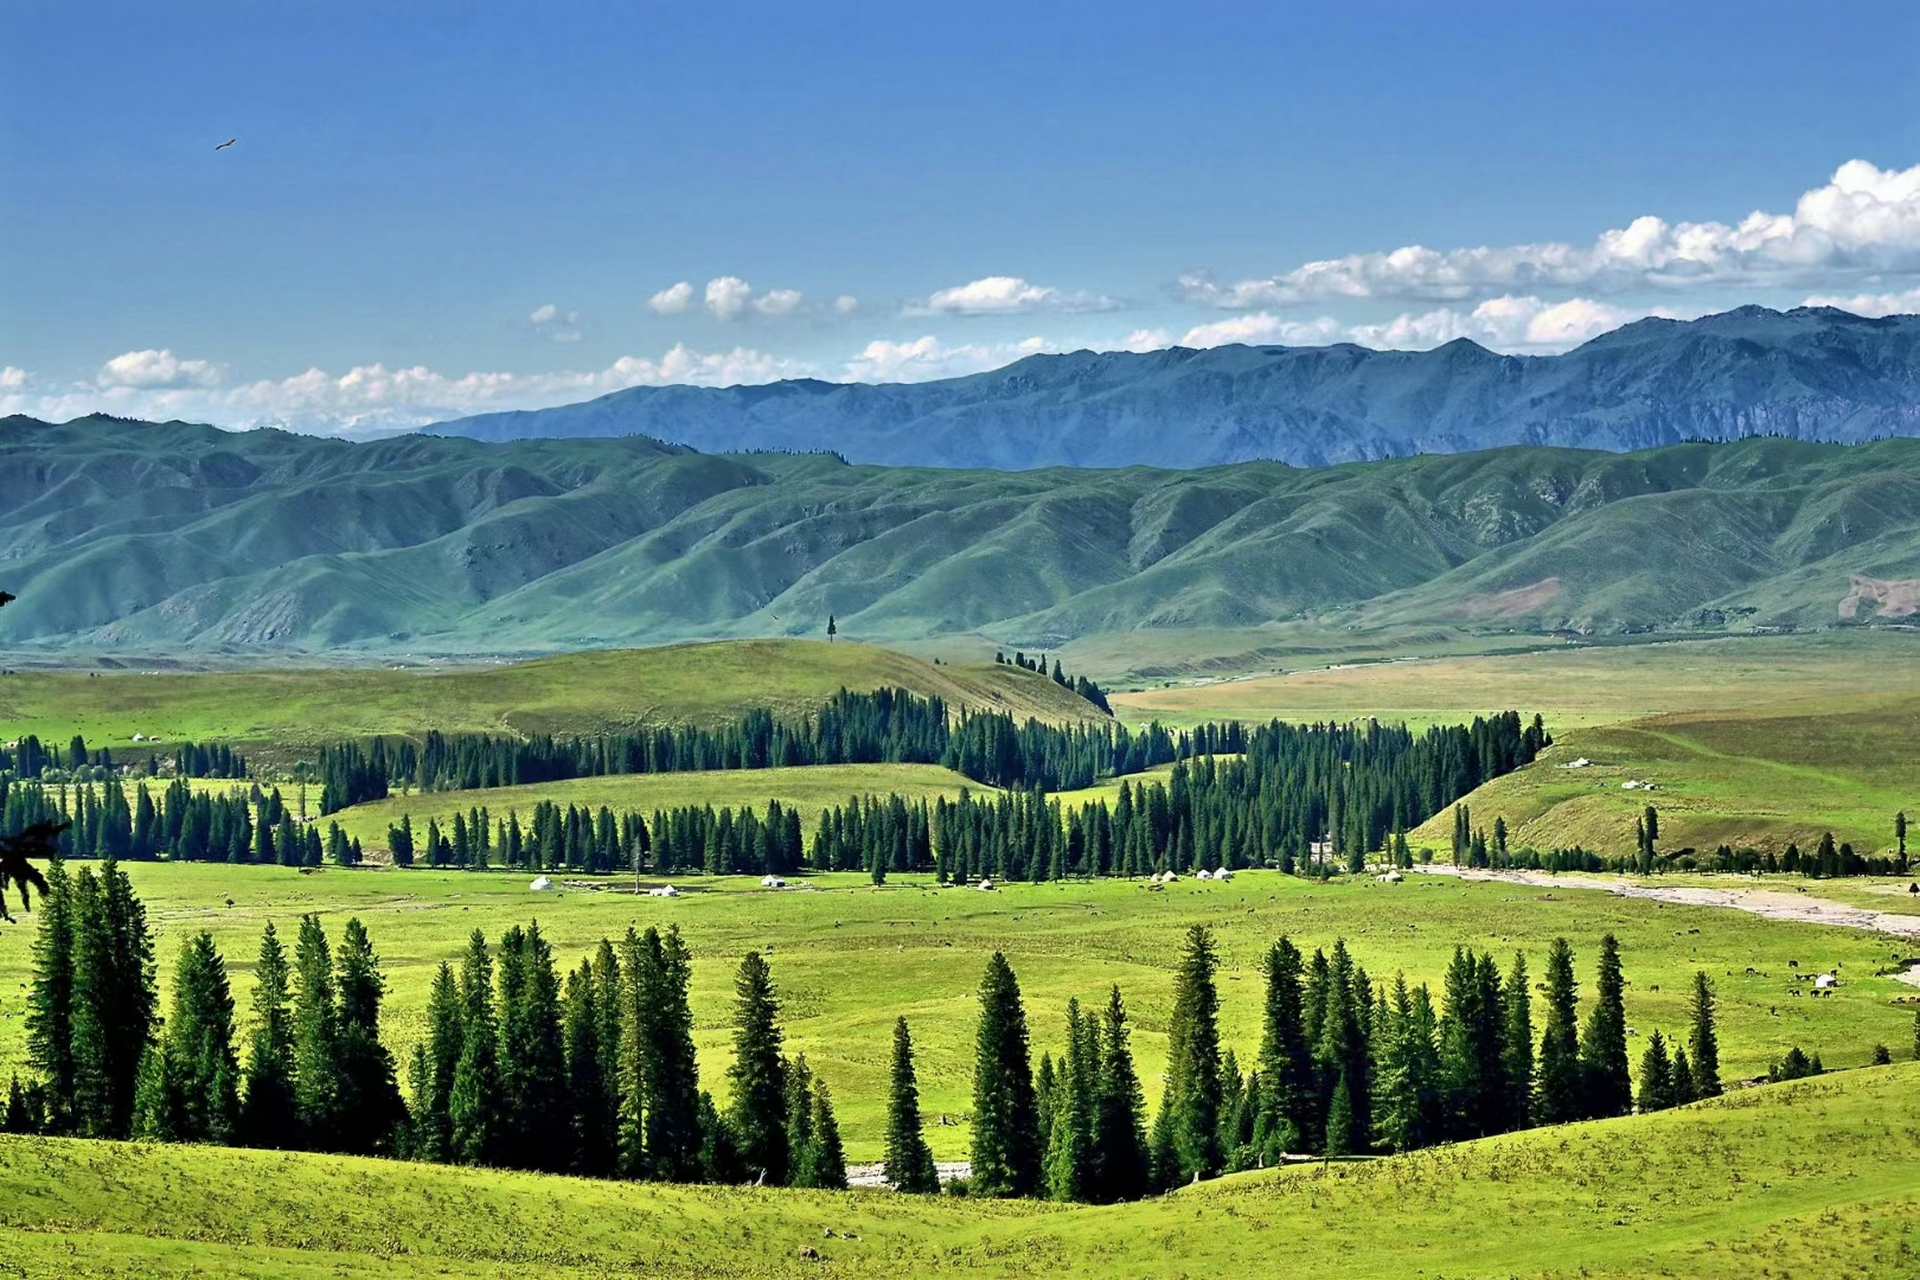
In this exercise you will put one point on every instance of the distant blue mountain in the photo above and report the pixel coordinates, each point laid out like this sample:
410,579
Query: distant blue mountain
1809,373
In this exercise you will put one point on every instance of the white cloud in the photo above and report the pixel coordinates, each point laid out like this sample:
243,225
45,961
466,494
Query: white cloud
846,304
673,299
1871,304
150,368
1006,295
556,324
777,302
1865,220
727,297
12,379
926,358
1512,324
544,315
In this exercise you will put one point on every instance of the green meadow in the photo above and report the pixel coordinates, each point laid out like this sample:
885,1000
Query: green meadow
849,957
1819,1179
601,691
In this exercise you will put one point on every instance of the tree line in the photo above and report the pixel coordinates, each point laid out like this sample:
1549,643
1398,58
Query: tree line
31,758
243,825
1345,1067
1038,665
594,1073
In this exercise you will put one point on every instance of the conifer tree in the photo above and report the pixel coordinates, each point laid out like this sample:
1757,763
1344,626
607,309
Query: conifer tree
1703,1042
1119,1135
50,997
826,1164
1606,1083
1516,1045
592,1112
757,1116
1070,1149
437,1063
317,1086
197,1048
1558,1093
630,1067
534,1105
1193,1060
1409,1108
909,1162
1656,1075
798,1101
673,1131
1286,1060
160,1096
268,1116
114,1000
371,1110
1684,1088
1006,1133
473,1102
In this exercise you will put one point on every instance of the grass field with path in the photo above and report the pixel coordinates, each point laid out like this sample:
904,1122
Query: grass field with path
849,957
1820,1178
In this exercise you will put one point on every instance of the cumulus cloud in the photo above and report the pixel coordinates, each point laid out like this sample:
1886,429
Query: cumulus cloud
542,315
1865,220
777,302
846,304
727,297
154,369
673,299
1006,295
1871,304
12,379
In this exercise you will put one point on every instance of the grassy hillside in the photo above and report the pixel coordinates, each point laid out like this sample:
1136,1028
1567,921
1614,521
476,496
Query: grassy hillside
808,790
141,538
849,958
1816,1178
701,684
1759,776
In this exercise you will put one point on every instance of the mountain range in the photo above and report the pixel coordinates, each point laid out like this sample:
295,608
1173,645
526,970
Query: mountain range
140,536
1809,374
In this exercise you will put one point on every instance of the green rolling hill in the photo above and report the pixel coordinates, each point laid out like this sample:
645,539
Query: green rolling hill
135,536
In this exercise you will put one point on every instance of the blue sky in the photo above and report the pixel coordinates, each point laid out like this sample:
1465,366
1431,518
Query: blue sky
434,208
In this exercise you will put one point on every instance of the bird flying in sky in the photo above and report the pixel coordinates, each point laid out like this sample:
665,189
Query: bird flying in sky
229,142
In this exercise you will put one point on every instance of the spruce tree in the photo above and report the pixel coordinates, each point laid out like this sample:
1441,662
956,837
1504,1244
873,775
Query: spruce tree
1409,1107
1516,1044
114,1000
1286,1059
268,1116
826,1160
438,1061
1070,1149
476,1127
1656,1075
317,1084
371,1109
160,1097
1006,1133
757,1114
50,997
673,1130
1606,1083
1193,1060
197,1044
1119,1134
798,1102
1703,1042
1558,1093
591,1109
909,1163
1684,1088
536,1129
